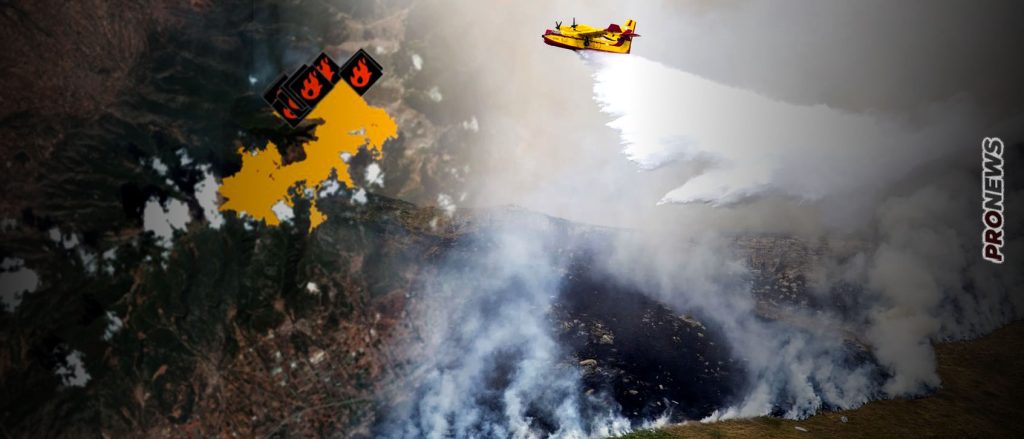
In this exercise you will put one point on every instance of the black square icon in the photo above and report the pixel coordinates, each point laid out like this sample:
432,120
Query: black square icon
327,67
284,106
287,106
361,71
309,85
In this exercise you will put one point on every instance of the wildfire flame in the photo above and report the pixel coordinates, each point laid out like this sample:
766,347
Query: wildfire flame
360,74
311,87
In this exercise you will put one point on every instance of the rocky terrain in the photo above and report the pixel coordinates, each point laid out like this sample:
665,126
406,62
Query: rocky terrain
241,328
650,359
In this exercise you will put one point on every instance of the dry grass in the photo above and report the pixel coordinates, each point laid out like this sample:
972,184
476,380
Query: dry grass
982,382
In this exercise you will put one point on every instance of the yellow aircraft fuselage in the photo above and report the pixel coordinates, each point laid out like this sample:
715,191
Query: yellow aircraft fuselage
612,39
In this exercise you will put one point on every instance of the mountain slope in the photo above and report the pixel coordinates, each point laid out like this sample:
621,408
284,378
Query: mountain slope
980,382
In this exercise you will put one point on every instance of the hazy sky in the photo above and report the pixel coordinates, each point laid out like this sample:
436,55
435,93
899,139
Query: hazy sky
807,118
544,143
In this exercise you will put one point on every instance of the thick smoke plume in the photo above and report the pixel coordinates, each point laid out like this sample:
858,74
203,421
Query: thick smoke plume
919,277
488,364
751,145
853,127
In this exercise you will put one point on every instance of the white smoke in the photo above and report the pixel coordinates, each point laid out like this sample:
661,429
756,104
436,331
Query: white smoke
795,366
825,121
751,145
488,363
921,278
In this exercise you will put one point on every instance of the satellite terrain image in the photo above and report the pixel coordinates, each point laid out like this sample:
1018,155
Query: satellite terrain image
511,219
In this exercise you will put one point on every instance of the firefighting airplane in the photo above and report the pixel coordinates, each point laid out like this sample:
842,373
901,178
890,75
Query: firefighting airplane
582,37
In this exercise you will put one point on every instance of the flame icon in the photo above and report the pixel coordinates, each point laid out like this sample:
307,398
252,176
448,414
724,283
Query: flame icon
311,87
360,74
325,69
287,113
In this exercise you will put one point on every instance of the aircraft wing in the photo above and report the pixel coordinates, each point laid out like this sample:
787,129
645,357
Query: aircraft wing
591,33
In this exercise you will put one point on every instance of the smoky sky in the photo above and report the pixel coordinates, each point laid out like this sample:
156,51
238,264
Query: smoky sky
543,142
834,122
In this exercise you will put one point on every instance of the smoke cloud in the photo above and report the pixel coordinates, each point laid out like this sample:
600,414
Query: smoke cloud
488,364
921,256
751,145
839,124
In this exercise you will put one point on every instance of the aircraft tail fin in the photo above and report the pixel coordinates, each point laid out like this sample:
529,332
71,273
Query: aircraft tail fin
628,34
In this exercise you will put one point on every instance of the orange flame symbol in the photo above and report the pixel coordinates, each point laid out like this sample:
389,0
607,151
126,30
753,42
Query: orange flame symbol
311,87
287,112
360,74
325,69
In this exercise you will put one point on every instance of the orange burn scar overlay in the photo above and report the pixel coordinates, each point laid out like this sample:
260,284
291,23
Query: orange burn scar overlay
349,122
